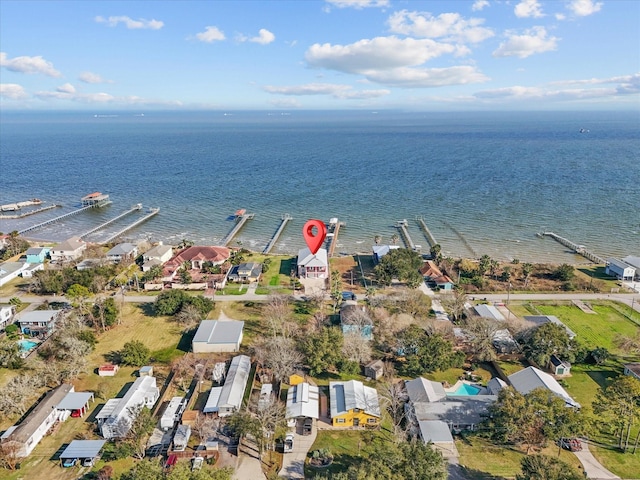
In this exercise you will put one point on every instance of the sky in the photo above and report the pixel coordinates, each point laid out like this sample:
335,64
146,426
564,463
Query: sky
320,54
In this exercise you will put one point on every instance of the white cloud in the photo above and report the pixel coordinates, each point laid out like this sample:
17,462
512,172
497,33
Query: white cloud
358,3
528,8
210,35
428,77
89,77
560,16
448,26
479,5
66,88
131,23
70,94
28,65
532,41
583,8
264,37
285,103
376,54
12,91
333,90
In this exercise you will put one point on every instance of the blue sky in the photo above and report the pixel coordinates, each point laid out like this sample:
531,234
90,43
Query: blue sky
320,54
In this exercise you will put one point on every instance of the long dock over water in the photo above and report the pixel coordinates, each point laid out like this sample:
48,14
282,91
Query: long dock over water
151,213
401,225
579,249
241,220
109,222
47,222
285,219
31,212
427,233
332,235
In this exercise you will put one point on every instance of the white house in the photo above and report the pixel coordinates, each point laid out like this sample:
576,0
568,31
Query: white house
313,265
70,249
114,420
620,270
122,251
634,262
156,256
27,434
7,312
227,399
218,336
11,270
303,401
632,369
531,378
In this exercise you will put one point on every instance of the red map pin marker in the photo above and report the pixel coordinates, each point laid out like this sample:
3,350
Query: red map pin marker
314,242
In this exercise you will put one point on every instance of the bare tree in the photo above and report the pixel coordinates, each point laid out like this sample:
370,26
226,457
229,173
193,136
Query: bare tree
356,348
455,304
280,355
277,313
9,455
481,332
141,426
188,316
393,398
272,423
205,426
16,396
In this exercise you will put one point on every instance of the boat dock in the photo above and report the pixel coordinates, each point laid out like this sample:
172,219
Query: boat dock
285,219
109,222
332,235
427,233
47,222
402,225
31,212
151,213
579,249
240,221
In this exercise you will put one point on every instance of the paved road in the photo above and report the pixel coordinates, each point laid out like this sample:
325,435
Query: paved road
592,467
293,462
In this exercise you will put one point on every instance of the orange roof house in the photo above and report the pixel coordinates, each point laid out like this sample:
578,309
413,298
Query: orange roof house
196,256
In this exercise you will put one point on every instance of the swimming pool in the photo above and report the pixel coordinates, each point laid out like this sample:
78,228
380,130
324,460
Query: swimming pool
27,345
465,390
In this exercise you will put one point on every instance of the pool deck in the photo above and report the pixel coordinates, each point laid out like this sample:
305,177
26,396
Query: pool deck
452,390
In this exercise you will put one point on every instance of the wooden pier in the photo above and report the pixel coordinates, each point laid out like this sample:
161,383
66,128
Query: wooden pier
135,208
285,219
427,233
332,235
579,249
32,212
47,222
401,225
240,221
151,213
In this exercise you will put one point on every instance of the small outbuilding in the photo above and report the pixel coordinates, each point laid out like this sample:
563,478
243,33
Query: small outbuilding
559,367
82,452
218,336
108,370
374,370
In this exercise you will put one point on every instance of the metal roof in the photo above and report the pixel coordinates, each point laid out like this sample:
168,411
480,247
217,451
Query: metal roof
303,400
219,331
83,449
353,394
489,311
75,401
435,431
540,319
212,400
38,316
308,259
531,378
423,390
236,382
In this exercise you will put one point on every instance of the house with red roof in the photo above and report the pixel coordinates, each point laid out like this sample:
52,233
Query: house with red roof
434,276
196,258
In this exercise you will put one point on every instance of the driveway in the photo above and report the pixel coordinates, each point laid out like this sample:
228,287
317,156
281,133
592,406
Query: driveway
293,462
592,467
249,465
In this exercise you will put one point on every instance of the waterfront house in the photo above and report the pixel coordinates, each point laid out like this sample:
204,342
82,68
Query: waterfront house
122,251
196,258
156,256
227,399
312,265
434,276
37,254
559,367
245,272
24,437
39,323
7,314
619,269
354,319
380,251
531,378
68,250
115,418
632,369
218,336
353,404
634,262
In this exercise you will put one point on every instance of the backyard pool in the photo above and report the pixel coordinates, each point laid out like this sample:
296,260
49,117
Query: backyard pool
465,390
27,345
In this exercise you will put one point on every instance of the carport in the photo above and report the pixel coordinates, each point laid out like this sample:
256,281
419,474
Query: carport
84,452
75,404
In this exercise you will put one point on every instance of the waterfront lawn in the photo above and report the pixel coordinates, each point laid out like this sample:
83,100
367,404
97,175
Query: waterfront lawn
594,330
598,278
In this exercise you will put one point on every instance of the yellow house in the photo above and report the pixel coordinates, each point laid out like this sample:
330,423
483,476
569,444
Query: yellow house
353,404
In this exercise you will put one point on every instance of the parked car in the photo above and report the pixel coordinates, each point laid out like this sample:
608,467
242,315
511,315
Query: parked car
69,462
307,426
288,443
571,444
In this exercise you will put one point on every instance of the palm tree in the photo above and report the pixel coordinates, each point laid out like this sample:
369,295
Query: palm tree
527,270
377,239
394,238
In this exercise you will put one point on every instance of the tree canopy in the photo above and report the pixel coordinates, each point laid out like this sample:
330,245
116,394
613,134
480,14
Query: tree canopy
547,340
544,467
135,353
424,352
402,264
